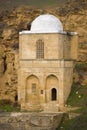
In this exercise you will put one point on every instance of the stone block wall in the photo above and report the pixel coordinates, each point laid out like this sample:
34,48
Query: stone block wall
29,121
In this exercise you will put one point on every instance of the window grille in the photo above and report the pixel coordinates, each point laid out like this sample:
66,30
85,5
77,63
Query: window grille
33,87
40,49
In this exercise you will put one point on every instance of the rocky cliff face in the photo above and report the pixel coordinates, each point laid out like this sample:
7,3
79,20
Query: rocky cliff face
73,17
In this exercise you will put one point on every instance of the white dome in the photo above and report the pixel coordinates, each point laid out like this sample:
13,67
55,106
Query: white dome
46,23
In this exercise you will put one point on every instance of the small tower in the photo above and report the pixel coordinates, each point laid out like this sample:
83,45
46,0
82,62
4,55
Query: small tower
46,60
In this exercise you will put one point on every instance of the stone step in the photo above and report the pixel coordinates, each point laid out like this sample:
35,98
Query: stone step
51,107
35,107
32,107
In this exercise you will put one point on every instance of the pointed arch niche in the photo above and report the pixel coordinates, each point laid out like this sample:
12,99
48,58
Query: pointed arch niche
52,85
32,89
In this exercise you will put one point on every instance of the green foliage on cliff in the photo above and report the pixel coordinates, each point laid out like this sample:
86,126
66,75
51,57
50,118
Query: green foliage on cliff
35,3
77,98
81,66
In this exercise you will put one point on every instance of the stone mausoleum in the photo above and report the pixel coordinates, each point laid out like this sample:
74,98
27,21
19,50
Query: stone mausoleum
46,62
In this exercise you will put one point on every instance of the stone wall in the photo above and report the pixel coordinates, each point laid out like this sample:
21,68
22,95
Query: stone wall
56,45
29,121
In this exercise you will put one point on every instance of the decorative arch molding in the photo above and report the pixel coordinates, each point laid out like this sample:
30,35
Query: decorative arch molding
32,89
53,79
31,75
52,83
54,74
48,75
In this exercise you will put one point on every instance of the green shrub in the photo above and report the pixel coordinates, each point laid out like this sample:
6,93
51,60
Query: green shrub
9,106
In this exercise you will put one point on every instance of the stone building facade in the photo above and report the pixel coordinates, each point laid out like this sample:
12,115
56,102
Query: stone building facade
46,60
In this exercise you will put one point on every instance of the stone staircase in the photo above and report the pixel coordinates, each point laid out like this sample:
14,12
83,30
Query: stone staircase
32,107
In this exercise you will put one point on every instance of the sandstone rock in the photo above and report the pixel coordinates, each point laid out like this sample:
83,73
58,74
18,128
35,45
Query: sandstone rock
2,69
9,33
84,80
75,77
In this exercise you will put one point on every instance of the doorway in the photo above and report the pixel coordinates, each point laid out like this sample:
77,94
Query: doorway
51,88
54,94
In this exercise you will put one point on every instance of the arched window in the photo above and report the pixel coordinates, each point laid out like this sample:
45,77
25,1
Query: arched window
39,49
54,94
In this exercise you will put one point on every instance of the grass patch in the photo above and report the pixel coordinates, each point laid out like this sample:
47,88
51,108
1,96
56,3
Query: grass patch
80,122
8,106
66,124
78,96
